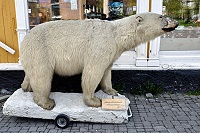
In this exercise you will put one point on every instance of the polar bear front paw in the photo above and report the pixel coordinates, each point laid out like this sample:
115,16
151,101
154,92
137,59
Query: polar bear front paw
93,102
49,104
110,92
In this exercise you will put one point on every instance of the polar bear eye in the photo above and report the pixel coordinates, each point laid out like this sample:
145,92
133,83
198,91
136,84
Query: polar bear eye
161,16
139,19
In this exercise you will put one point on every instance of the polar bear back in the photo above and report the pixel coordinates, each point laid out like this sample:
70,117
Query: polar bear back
65,45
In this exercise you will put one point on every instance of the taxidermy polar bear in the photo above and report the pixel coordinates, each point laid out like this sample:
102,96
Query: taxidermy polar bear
83,46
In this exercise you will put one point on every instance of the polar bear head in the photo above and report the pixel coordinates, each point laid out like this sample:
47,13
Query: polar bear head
151,25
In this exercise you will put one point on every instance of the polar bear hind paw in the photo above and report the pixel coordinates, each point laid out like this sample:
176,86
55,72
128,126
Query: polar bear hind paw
26,87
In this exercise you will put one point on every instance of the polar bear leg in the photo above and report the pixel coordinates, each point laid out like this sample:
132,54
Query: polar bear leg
91,77
41,85
45,103
26,87
106,83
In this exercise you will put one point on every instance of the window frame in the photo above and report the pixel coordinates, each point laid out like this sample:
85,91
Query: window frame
157,60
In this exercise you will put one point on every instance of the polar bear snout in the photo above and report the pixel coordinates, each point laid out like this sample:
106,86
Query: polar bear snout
169,24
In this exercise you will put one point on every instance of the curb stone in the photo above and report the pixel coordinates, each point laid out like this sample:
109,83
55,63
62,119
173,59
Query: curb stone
4,98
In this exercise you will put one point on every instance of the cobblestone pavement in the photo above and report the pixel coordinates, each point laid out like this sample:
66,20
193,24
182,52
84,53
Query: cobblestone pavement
165,114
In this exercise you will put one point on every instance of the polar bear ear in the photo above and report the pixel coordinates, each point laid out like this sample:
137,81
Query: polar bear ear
139,19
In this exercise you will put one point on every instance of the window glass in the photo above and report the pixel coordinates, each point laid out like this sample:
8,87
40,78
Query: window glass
187,36
41,11
54,1
116,9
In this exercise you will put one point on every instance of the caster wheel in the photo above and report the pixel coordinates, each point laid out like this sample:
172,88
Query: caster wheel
62,121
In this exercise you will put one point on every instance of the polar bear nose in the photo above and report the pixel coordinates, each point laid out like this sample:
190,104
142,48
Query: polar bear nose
172,23
169,24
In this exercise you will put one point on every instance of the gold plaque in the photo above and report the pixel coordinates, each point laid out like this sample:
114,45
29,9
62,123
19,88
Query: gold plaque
113,104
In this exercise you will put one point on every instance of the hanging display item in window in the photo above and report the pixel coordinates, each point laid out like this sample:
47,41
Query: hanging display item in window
116,10
86,46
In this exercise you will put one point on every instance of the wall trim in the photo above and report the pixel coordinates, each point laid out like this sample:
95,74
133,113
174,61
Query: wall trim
10,66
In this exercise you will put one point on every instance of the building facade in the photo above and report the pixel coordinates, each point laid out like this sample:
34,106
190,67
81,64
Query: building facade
17,17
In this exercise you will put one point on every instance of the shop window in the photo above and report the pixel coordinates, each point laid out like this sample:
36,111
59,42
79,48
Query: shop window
41,11
117,9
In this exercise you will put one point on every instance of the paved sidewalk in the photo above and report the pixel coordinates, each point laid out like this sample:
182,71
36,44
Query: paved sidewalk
166,114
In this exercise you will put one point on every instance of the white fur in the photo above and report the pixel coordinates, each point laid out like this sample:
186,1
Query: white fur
76,46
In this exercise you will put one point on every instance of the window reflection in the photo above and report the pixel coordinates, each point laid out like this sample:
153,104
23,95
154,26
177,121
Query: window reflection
41,11
54,1
55,11
187,36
